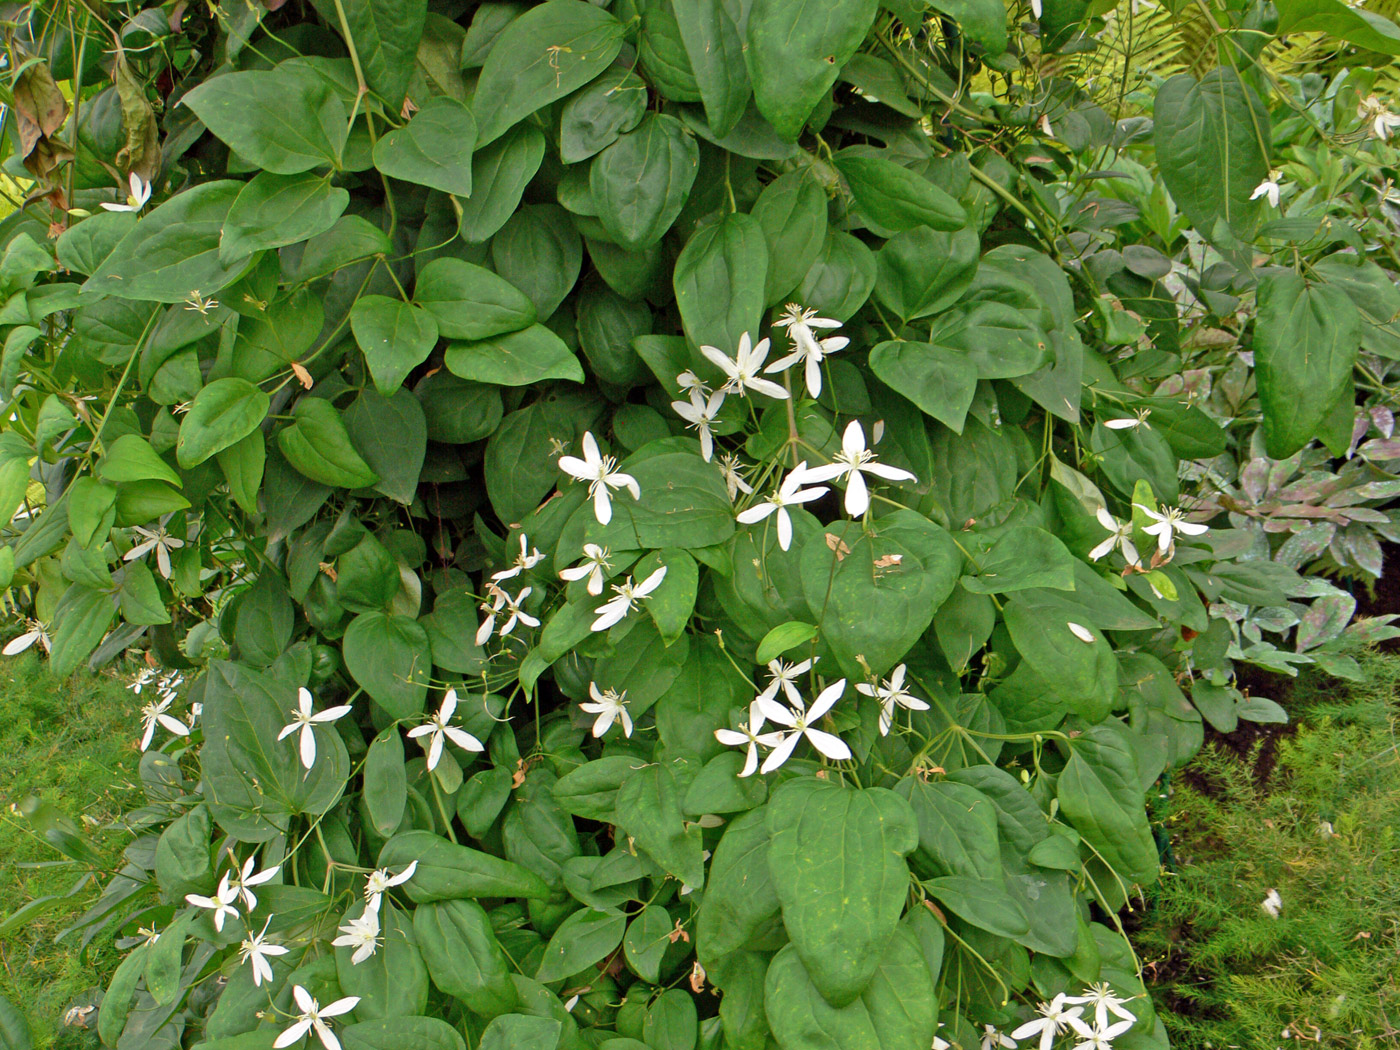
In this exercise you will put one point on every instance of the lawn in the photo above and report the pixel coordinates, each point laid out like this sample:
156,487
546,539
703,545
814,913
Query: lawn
1312,812
73,744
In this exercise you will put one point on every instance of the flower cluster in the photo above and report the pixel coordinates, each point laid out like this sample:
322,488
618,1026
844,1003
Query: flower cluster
1064,1016
157,711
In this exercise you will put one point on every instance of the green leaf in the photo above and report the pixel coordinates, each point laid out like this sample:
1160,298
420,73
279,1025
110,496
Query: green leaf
92,510
318,445
649,810
671,604
140,599
385,34
1210,139
521,358
716,52
548,52
593,117
396,338
540,253
433,149
876,613
837,860
464,958
894,197
458,412
500,173
684,504
957,828
584,938
795,50
999,340
740,897
896,1011
386,785
1368,30
131,458
719,282
393,982
223,413
792,213
449,872
939,380
14,1029
83,616
1305,342
392,435
782,638
1101,797
648,937
1023,557
285,120
923,271
272,211
641,181
840,279
471,302
1082,674
983,21
400,1033
984,902
521,1031
173,252
389,657
253,781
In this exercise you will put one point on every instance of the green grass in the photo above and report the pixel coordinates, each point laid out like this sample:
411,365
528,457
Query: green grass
73,744
1321,824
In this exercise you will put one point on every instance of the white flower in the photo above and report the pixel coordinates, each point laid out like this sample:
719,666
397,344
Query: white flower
362,934
37,633
807,348
488,625
1137,419
1081,632
1099,1037
136,200
143,679
853,462
313,1016
160,541
741,371
221,904
689,383
516,614
699,413
1120,535
610,706
602,476
380,882
245,878
436,728
628,596
303,719
157,711
784,676
255,950
594,565
992,1038
1272,904
1268,189
941,1044
745,736
1036,8
1054,1020
891,692
1102,998
790,493
734,481
1170,520
800,723
526,559
1373,111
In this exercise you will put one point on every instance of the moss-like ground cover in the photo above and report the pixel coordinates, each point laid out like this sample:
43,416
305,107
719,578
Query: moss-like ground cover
73,744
